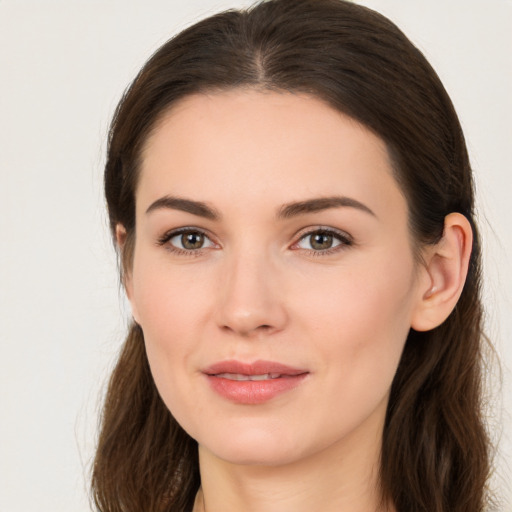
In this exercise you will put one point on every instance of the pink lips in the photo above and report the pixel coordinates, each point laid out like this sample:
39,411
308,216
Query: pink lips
252,383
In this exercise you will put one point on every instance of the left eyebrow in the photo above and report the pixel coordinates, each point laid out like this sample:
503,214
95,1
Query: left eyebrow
320,204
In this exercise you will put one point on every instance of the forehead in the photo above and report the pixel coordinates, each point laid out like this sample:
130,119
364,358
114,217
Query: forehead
277,146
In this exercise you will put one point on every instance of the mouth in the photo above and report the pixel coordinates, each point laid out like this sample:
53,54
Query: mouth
242,377
253,383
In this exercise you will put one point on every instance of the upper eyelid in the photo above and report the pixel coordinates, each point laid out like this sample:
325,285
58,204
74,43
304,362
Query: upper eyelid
323,229
171,233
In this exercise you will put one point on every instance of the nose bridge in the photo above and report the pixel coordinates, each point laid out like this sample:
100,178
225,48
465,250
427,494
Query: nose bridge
250,299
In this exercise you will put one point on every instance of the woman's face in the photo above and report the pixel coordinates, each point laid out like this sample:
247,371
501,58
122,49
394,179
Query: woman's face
273,274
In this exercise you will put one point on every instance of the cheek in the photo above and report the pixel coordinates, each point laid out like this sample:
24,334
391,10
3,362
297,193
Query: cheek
357,325
168,298
170,306
363,317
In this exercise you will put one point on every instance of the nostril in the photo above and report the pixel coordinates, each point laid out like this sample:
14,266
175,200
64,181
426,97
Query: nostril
247,331
263,328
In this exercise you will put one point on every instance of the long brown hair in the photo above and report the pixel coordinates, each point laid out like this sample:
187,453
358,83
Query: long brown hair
435,451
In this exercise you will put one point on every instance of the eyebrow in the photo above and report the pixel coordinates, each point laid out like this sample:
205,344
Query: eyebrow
286,211
186,205
320,204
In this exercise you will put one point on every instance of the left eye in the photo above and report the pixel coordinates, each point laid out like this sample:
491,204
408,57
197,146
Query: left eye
190,241
321,241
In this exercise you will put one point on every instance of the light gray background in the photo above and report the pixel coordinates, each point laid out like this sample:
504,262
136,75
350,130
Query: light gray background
63,67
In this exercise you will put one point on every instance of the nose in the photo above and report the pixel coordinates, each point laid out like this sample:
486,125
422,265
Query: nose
251,296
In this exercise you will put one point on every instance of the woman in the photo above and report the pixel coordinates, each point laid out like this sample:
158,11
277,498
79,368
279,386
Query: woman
291,196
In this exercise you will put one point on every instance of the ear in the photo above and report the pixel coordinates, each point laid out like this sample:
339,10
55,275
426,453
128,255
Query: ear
126,273
445,271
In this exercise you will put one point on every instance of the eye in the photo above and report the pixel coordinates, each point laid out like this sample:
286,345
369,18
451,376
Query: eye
323,240
187,240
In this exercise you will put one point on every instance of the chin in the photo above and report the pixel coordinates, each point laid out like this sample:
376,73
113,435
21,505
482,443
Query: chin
257,448
242,456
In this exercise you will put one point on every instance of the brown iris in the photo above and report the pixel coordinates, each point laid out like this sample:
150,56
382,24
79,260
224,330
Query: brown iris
321,241
192,240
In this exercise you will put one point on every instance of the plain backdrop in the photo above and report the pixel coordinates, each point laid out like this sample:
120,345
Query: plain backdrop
63,67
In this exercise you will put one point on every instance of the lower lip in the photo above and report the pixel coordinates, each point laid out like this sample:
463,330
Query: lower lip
252,392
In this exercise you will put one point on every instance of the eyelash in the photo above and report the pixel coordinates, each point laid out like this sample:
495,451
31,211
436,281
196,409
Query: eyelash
169,235
344,240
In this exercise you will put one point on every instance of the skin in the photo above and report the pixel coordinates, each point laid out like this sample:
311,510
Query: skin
259,290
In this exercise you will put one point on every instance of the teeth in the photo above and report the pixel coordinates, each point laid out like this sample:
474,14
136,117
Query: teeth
265,376
239,376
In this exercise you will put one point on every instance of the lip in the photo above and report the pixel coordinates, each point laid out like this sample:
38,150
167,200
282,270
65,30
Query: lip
280,379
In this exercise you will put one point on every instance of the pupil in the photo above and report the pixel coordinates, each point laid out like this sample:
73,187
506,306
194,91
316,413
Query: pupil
321,241
192,240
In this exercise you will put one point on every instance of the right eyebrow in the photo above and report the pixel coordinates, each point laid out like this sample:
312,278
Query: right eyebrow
185,205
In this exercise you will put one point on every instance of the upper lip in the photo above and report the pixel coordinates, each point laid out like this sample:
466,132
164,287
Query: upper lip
255,368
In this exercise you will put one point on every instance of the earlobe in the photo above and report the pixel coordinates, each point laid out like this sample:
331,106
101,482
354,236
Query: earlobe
120,236
446,267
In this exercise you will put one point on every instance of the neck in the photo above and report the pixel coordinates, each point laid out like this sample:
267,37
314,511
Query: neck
343,477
